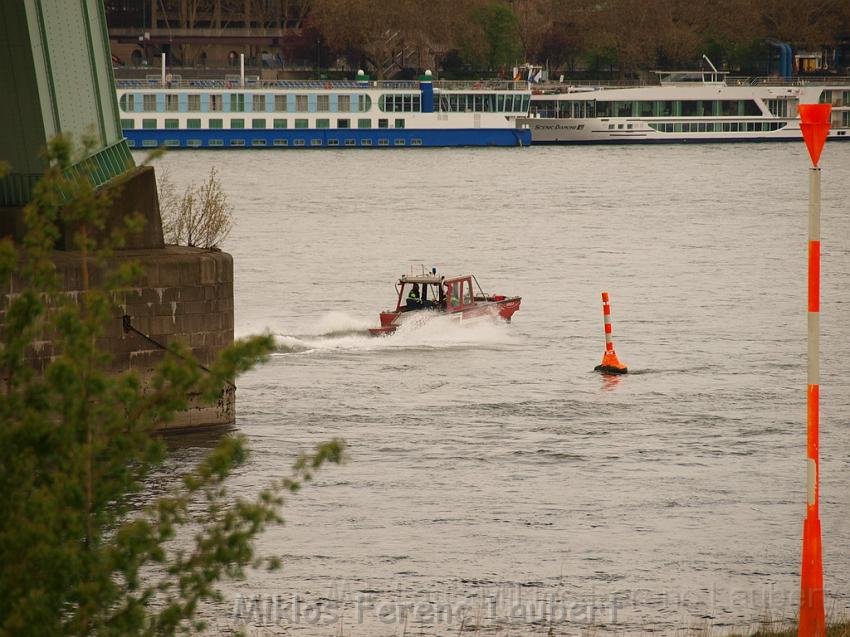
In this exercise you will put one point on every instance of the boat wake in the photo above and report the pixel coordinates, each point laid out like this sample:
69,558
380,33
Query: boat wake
422,330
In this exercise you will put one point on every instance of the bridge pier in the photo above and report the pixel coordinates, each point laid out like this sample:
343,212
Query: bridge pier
55,60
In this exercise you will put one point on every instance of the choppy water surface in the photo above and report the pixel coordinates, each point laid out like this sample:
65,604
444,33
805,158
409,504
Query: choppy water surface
495,482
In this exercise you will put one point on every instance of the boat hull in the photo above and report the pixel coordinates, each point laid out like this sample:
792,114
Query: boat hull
326,138
555,131
501,307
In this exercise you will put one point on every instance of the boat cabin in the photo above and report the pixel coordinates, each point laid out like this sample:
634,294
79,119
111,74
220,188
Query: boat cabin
427,291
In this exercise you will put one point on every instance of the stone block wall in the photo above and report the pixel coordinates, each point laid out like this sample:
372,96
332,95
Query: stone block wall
185,294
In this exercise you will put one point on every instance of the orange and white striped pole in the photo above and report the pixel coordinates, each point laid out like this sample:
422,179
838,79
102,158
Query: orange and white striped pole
814,123
610,363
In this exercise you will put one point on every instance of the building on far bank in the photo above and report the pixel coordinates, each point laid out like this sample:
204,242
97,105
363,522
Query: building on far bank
210,33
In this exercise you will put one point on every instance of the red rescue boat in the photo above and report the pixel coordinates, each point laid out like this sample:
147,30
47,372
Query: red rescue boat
459,296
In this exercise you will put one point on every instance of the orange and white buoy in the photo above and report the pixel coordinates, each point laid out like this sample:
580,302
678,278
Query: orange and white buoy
814,124
610,363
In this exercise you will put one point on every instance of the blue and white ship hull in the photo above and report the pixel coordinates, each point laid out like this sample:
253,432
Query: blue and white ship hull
306,138
310,114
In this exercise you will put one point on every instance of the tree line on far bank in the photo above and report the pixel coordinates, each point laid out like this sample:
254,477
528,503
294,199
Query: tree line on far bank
624,35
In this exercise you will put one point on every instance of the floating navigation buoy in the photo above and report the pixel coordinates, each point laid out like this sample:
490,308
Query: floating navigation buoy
610,363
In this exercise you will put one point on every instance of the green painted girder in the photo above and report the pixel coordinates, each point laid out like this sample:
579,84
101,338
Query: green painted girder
57,70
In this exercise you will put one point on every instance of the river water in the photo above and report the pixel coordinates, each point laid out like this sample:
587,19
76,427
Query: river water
495,483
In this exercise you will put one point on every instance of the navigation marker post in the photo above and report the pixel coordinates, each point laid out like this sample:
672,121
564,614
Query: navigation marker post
610,363
814,123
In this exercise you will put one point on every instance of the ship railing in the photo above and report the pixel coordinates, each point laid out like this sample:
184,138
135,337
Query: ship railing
481,85
841,80
233,82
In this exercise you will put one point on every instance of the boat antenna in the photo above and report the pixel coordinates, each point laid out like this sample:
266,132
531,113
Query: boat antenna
713,68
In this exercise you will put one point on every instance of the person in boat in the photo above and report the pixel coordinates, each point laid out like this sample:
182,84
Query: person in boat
413,300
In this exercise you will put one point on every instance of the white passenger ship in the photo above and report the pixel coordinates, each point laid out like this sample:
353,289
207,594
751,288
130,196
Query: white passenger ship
686,106
236,113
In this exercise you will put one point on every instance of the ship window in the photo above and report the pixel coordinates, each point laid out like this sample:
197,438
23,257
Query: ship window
259,104
696,108
333,142
729,107
193,143
323,123
216,123
399,123
350,142
128,124
365,142
127,102
280,123
665,108
237,102
280,104
619,126
172,142
237,123
149,143
215,103
171,103
399,142
467,293
415,142
131,143
149,102
301,123
215,142
301,103
610,127
148,123
603,109
323,103
343,103
258,142
281,142
258,123
237,142
343,123
383,123
383,142
624,109
778,108
364,103
453,294
172,123
645,109
750,107
193,103
364,123
298,142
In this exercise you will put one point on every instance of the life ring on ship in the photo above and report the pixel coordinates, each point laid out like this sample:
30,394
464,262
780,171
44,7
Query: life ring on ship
328,85
477,85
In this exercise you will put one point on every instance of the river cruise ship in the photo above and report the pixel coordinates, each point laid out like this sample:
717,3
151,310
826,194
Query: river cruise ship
245,113
686,106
